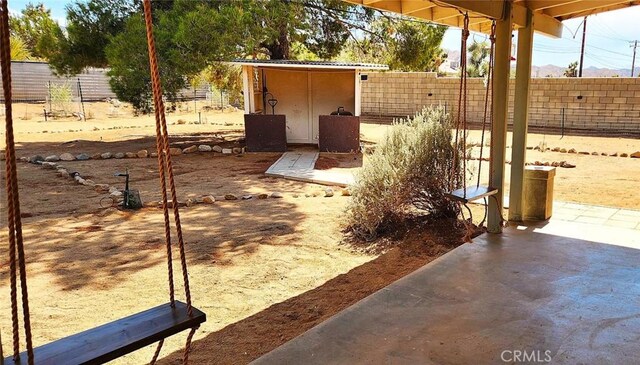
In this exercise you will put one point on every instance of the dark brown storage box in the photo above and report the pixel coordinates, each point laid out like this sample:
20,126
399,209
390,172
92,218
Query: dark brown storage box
339,133
265,133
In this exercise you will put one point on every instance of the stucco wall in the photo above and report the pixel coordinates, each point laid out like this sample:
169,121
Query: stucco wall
587,103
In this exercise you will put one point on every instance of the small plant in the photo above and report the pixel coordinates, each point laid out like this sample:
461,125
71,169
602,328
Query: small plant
410,169
61,97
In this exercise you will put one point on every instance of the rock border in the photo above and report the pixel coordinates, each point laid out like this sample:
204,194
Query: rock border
117,193
174,151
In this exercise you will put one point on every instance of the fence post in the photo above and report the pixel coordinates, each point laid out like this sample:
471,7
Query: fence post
221,99
562,125
84,115
49,94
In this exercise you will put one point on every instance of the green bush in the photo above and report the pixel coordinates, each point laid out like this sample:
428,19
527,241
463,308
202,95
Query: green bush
410,169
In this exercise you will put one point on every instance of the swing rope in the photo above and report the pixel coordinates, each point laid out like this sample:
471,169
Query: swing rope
488,94
165,168
461,120
17,264
17,261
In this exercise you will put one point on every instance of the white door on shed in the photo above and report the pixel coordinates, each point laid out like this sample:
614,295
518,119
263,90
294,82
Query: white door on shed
290,88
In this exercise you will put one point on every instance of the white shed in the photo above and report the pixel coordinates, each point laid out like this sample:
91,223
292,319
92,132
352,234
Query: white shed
302,91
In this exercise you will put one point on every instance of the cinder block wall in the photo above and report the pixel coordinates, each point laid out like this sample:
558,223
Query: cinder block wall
583,103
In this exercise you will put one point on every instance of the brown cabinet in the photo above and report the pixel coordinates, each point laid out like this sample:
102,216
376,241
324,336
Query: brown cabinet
265,133
339,133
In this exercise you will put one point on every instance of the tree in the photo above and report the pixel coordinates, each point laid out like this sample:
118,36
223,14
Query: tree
572,70
404,45
478,59
36,29
129,63
90,27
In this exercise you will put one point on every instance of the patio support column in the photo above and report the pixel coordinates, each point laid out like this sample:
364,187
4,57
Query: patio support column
500,100
520,118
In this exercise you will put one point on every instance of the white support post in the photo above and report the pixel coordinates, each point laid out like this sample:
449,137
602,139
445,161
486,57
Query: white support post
358,94
247,89
520,118
500,100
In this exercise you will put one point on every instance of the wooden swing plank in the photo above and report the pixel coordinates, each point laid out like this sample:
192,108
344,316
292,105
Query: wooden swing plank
112,340
472,193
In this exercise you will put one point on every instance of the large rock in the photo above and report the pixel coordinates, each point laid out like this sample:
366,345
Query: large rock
217,148
209,199
230,197
102,188
143,154
237,150
624,154
190,149
276,195
227,151
49,165
328,192
174,151
204,148
106,155
119,155
67,157
36,159
263,196
83,157
130,155
635,154
52,158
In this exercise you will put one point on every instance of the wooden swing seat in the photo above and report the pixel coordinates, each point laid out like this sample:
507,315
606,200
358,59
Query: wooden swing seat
112,340
472,193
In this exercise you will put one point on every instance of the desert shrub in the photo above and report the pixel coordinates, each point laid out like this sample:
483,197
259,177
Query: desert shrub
410,169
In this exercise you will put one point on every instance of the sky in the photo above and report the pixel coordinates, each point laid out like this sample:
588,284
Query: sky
607,42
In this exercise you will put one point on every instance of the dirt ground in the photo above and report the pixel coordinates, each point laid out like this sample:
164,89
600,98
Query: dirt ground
264,271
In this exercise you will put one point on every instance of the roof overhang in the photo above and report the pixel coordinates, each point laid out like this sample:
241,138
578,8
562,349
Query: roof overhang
310,65
547,14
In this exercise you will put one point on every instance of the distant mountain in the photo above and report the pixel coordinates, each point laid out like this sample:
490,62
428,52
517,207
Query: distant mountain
558,71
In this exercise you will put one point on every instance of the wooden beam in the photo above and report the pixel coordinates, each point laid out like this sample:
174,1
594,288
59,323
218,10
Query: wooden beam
394,5
520,118
599,10
545,4
544,24
412,6
500,105
491,9
581,6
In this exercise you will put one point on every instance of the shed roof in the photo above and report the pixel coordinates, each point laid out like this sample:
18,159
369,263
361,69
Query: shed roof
311,64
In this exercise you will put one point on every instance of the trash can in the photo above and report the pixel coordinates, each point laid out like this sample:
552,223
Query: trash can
538,192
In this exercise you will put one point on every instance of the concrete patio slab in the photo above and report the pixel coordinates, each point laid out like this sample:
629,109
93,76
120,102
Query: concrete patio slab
563,299
300,166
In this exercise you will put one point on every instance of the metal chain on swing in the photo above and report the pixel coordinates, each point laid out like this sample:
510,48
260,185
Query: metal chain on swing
17,262
165,169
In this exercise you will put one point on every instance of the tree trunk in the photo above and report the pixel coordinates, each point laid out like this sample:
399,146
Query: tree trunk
279,49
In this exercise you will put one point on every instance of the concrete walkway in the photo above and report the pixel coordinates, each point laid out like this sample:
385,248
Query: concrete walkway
299,165
530,290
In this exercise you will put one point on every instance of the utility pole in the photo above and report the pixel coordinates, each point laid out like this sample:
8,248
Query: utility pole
633,63
584,34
